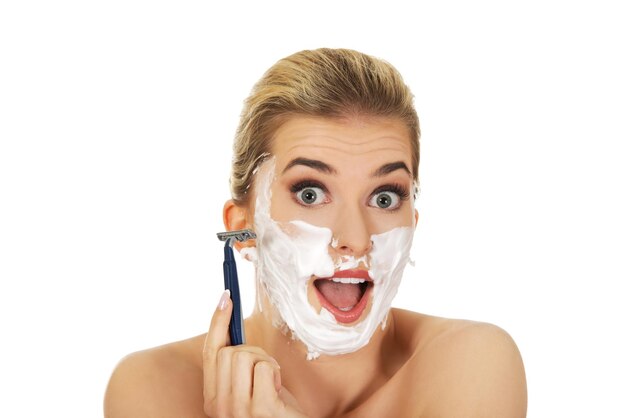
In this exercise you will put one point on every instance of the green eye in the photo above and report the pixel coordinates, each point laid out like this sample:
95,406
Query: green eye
385,200
311,196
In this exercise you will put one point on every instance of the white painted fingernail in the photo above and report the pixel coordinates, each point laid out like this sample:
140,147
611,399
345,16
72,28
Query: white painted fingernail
224,300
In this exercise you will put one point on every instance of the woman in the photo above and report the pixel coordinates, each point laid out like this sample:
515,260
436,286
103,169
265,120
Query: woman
325,172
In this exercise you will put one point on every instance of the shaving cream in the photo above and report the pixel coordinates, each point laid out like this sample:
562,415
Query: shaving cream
288,255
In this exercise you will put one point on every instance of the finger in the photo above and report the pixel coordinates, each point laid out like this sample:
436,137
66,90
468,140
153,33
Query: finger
235,365
224,383
244,361
216,338
265,384
243,369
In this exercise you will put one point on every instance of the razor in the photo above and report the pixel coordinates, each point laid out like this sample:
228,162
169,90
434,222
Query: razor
231,282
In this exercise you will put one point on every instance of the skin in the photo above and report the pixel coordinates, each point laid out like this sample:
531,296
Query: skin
419,366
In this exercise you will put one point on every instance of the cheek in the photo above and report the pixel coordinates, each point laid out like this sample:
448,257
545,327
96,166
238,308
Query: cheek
384,222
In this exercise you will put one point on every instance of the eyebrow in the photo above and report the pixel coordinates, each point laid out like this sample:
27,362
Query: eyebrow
327,169
314,164
390,168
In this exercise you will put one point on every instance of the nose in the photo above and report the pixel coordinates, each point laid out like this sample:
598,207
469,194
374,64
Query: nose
351,233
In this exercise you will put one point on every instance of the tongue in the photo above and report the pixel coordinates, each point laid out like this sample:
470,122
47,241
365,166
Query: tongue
341,295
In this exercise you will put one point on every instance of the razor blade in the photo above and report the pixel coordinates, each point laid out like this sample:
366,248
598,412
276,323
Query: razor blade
240,235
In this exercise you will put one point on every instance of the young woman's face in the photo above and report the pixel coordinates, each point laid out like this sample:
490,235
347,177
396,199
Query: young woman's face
334,218
352,176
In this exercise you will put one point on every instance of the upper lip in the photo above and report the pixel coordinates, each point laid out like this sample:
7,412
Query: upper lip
353,273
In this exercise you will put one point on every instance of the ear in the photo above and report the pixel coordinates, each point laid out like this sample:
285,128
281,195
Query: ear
417,216
238,217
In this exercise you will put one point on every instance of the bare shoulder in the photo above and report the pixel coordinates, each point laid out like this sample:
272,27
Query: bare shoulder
466,368
163,381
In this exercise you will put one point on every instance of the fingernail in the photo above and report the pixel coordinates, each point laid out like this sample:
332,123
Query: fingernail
224,300
275,362
278,384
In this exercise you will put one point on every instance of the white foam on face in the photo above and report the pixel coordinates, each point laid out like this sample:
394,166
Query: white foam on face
289,254
347,262
249,253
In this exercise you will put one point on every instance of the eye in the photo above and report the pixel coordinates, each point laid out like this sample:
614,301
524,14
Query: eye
385,200
309,193
388,197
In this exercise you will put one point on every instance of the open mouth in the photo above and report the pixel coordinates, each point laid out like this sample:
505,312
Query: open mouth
345,294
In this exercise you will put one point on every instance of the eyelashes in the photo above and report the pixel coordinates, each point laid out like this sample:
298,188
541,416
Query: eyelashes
400,190
299,186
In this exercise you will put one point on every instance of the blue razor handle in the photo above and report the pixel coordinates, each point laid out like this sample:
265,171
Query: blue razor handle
231,282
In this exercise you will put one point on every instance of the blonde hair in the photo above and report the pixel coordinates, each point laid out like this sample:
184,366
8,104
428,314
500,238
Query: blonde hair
331,83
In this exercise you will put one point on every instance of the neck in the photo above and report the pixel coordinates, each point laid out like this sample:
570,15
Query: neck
330,382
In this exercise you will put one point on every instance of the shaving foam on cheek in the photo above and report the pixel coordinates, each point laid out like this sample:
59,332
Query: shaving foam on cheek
249,253
289,254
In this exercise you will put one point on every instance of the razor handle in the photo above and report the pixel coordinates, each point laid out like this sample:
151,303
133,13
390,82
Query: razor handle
231,282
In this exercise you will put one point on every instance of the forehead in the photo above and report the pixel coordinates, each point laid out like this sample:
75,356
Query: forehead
372,139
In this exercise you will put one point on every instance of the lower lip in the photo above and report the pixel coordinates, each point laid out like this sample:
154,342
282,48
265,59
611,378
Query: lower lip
346,317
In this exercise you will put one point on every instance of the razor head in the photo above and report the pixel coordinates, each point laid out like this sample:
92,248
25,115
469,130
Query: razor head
239,235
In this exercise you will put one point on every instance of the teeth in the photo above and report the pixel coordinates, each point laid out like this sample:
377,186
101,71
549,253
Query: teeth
348,280
349,308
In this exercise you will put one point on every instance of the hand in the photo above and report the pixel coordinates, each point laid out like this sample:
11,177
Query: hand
241,381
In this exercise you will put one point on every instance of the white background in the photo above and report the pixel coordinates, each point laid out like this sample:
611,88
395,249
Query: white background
116,122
